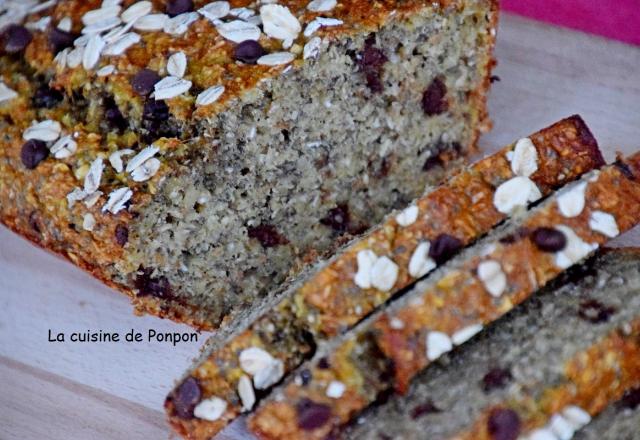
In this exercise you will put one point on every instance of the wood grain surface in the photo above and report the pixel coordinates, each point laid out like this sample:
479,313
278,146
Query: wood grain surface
108,391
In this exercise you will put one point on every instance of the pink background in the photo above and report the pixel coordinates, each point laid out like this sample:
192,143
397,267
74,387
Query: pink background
617,19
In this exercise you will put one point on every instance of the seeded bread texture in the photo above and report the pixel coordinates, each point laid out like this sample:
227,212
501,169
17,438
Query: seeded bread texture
290,163
518,358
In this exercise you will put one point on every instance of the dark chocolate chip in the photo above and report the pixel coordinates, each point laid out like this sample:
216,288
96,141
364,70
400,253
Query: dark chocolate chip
323,363
15,38
434,98
444,247
549,239
177,7
143,81
248,52
312,415
154,286
595,312
432,162
337,218
496,378
59,39
424,409
267,235
630,399
113,115
186,397
371,63
33,152
306,376
494,78
156,111
122,234
504,424
46,97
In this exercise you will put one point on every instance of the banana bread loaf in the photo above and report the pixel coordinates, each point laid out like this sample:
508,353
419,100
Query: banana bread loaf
230,143
332,297
388,349
521,364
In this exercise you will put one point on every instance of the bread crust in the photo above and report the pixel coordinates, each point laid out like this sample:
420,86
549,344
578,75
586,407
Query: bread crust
456,303
328,302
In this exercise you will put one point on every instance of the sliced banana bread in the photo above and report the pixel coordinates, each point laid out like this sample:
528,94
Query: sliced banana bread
302,123
521,372
388,349
332,297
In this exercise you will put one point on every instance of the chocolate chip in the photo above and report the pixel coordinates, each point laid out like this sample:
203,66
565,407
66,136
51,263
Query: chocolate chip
156,111
426,408
122,234
371,63
549,239
248,52
337,218
595,312
59,39
267,235
143,81
113,115
186,397
496,378
15,38
312,415
46,97
306,376
323,363
432,162
444,247
177,7
33,152
154,286
504,424
494,78
434,99
630,399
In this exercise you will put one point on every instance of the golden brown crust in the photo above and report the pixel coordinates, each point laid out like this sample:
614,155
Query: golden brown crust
593,379
330,301
452,308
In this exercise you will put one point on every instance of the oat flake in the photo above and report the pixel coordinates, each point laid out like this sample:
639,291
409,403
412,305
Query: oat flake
279,22
239,31
6,93
210,95
215,10
151,22
321,5
276,59
170,87
177,64
117,200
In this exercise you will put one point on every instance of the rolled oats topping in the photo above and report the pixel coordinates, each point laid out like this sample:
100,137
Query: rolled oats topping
115,159
571,201
177,64
438,343
280,23
121,44
92,52
65,24
46,131
276,59
215,10
576,416
136,11
269,376
75,56
246,393
575,250
170,87
210,409
312,48
493,277
6,93
524,161
106,70
408,216
466,333
320,22
92,199
88,222
94,176
321,5
366,259
384,274
604,223
64,147
98,15
210,95
254,359
117,200
146,170
515,193
151,22
179,24
101,26
239,31
336,389
420,263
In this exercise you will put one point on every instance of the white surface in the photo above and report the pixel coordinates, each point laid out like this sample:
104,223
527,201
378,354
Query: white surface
116,390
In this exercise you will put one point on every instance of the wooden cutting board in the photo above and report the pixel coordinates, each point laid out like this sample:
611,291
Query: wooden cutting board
115,390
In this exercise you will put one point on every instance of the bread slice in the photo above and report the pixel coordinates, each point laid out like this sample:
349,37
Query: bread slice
331,297
388,349
525,364
271,160
618,422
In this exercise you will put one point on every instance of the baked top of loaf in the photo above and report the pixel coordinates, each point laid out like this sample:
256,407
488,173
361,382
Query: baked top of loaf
388,349
523,362
331,297
205,35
